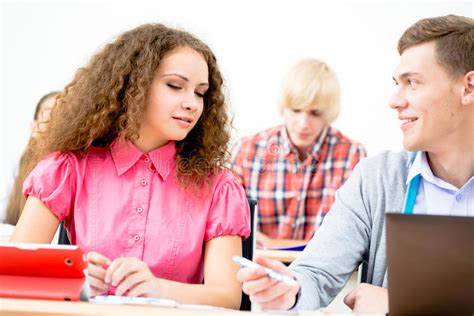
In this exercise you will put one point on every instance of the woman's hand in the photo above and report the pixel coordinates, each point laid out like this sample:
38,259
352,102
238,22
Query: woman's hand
132,277
96,267
267,292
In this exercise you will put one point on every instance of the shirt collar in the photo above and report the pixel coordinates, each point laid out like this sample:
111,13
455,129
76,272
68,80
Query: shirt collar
289,148
319,142
415,168
285,142
421,167
164,159
125,155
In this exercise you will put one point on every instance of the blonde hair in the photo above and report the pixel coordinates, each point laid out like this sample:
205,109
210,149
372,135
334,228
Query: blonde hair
311,85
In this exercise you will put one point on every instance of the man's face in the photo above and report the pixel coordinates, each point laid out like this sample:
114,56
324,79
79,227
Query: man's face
427,99
303,127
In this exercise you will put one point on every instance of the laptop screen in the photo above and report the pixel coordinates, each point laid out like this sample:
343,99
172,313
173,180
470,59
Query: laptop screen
430,263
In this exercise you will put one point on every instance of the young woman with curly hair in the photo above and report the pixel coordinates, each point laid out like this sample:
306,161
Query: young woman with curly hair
134,164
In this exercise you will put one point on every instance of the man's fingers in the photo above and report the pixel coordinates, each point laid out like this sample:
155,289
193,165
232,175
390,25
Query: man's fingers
274,265
349,299
258,285
251,274
271,293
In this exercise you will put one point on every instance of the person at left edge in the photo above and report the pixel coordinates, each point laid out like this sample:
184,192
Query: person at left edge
133,163
16,200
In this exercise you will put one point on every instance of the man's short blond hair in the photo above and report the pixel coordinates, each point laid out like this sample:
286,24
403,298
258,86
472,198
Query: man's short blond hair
311,85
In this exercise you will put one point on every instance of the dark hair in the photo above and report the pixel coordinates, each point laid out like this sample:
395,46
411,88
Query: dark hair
454,37
107,98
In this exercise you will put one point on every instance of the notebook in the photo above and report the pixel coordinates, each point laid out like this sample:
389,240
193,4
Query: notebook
43,271
430,264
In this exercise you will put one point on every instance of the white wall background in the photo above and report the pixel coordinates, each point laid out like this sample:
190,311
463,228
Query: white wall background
256,42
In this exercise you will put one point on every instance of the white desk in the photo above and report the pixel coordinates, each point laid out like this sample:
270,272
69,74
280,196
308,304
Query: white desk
17,307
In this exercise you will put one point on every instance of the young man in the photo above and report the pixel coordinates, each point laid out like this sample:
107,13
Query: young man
293,170
434,100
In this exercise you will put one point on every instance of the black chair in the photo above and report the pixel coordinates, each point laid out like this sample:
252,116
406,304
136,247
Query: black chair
63,239
362,272
248,245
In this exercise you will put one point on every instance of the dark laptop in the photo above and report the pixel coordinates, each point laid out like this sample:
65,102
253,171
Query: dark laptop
430,264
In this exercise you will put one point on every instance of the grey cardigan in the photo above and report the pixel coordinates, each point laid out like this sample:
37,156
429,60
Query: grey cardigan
353,230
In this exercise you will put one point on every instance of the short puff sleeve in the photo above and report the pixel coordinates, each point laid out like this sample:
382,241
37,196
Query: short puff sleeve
53,182
229,213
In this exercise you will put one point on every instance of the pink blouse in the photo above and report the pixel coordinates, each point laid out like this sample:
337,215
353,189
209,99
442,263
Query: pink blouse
122,203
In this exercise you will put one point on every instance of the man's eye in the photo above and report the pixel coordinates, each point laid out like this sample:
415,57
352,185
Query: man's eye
412,82
315,113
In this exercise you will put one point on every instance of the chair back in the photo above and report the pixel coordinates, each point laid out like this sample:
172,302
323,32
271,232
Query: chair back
248,247
63,239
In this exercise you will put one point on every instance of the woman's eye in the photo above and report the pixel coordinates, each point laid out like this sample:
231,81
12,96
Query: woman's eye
200,94
296,110
172,86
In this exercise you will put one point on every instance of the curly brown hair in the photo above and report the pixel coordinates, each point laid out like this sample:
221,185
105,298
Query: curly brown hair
107,99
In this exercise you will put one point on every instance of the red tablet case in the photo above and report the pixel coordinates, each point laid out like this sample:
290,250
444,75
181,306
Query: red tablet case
40,271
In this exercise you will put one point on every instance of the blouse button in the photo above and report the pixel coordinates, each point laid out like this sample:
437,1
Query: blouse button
459,197
136,238
139,209
147,159
143,182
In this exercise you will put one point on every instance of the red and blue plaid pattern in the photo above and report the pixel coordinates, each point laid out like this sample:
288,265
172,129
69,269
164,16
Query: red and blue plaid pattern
293,196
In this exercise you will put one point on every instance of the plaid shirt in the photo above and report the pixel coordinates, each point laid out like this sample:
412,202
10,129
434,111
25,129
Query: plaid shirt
293,196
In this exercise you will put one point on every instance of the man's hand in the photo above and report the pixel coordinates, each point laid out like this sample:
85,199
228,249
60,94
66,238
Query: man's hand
267,292
367,299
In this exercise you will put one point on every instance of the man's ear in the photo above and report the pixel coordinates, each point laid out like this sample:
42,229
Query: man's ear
468,88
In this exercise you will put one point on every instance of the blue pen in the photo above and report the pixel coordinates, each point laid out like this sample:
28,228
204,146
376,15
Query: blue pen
245,263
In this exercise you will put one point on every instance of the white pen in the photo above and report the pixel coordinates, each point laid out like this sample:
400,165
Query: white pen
245,263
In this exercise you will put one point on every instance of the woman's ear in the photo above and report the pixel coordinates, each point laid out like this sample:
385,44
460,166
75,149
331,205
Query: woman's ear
468,88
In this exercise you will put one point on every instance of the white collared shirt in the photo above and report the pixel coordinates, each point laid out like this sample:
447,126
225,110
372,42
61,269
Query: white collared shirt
437,197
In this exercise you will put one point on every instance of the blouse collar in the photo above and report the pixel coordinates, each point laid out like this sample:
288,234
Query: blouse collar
125,155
